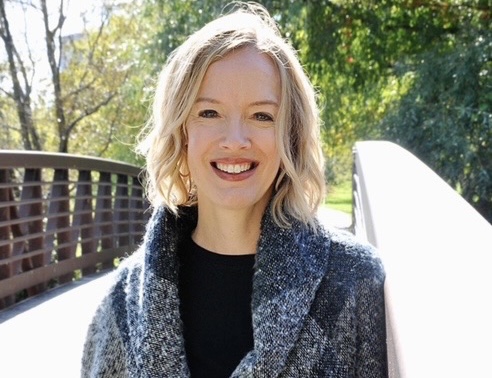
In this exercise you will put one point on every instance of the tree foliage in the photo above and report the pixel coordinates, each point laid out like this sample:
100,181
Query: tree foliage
76,102
446,116
410,71
105,71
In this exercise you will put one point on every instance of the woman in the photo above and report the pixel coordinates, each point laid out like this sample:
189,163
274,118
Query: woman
236,277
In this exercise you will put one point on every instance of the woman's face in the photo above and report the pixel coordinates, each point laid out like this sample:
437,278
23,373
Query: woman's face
232,152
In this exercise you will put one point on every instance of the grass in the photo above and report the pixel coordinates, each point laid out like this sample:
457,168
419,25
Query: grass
340,197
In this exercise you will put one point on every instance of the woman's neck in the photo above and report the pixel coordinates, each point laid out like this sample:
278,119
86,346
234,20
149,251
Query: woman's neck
228,232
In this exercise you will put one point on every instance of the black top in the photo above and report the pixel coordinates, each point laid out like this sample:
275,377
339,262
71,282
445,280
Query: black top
215,295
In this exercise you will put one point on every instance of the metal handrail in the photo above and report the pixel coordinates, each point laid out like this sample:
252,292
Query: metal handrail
63,216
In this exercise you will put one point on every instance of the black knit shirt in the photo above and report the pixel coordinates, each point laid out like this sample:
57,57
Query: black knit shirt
215,296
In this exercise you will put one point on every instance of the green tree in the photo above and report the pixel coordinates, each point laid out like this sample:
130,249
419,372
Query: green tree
351,49
412,71
176,20
446,116
109,62
80,102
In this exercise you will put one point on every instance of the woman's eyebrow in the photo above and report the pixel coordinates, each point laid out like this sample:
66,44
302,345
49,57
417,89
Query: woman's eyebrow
255,103
207,99
265,102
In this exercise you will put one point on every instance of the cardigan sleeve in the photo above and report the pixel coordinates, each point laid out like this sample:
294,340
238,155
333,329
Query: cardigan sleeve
104,354
372,353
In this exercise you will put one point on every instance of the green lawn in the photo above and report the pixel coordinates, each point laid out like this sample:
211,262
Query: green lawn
340,197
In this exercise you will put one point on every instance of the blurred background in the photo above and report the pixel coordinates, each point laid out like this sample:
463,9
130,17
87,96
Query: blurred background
77,77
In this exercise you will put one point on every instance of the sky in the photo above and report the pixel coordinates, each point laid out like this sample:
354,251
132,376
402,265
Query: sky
27,28
29,19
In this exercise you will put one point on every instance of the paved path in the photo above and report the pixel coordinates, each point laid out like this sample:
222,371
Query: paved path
44,336
335,218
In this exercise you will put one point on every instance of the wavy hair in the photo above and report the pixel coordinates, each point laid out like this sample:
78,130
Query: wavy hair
300,186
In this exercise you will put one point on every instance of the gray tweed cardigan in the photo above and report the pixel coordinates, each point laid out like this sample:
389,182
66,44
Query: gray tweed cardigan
318,307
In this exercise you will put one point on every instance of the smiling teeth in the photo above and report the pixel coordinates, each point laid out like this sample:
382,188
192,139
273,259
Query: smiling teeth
234,168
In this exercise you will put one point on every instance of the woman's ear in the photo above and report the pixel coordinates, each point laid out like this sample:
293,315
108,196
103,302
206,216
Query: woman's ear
184,135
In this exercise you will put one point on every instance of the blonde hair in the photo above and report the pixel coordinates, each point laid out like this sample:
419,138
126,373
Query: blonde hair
299,188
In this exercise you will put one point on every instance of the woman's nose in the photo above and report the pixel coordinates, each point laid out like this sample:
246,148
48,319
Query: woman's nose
236,136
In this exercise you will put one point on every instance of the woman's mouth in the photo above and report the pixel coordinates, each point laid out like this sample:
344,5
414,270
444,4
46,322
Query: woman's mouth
234,169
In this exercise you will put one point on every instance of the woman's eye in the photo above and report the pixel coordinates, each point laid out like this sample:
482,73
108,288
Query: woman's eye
208,113
264,117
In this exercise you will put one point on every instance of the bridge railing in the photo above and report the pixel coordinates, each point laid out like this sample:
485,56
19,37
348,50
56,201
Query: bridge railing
62,217
436,250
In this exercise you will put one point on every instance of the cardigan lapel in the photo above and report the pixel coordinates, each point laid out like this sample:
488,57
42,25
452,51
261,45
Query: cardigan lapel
160,345
289,268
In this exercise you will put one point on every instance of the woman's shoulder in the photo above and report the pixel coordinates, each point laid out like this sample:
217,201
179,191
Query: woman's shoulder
131,262
126,274
349,254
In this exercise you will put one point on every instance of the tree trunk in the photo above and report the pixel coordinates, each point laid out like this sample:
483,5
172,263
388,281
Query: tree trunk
55,73
21,96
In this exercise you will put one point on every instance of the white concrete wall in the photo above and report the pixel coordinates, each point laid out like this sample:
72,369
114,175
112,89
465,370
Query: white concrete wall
437,251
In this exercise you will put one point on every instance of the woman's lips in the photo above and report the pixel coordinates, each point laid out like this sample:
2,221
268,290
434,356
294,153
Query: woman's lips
234,171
